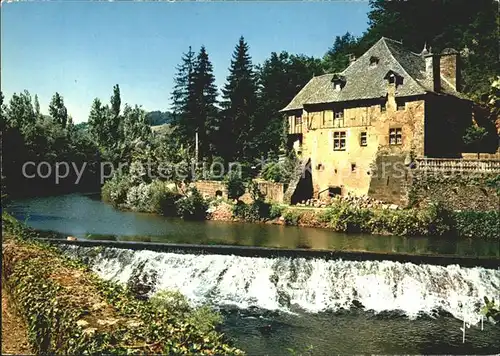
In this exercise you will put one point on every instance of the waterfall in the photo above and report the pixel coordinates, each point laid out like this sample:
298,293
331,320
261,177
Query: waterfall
313,285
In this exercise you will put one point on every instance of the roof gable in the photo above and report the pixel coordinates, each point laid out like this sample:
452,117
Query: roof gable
366,80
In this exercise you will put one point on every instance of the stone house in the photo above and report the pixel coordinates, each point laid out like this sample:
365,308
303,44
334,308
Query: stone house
388,107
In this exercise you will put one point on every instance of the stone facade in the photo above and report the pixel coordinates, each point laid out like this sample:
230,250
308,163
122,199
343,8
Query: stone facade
273,192
389,106
457,191
367,127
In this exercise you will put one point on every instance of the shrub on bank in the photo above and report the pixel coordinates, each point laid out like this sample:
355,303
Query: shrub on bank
114,191
258,210
291,217
163,199
70,310
235,185
276,211
477,224
139,197
344,218
192,206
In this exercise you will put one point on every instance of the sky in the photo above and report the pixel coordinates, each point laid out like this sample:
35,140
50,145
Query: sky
81,49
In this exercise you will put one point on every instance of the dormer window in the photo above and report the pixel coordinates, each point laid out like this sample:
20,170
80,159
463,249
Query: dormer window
373,61
394,78
338,82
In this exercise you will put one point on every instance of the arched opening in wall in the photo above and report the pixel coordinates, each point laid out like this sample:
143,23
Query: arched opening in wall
304,188
218,193
333,191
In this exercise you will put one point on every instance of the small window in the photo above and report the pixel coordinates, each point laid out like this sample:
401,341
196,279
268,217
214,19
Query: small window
363,139
353,167
400,105
392,79
339,141
298,120
339,114
319,167
383,107
395,136
373,61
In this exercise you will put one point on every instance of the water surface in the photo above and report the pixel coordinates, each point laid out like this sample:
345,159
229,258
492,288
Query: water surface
86,216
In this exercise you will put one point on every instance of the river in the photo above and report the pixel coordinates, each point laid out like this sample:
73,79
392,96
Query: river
272,304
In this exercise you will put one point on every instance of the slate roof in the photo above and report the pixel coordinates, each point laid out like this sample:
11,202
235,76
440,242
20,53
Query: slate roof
364,81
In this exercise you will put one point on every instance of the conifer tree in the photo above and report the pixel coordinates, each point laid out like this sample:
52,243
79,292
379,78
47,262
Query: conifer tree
239,104
205,93
183,100
57,110
37,107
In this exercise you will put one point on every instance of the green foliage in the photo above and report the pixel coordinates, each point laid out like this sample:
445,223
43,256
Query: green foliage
163,199
477,224
280,77
342,217
291,217
192,206
473,137
173,303
494,182
276,211
57,110
239,107
115,190
29,136
491,310
273,172
155,118
307,351
70,310
336,58
258,210
235,185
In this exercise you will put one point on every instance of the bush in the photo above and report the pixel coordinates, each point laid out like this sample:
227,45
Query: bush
477,224
273,172
174,304
192,206
256,211
139,197
235,185
163,199
344,218
115,190
275,211
291,217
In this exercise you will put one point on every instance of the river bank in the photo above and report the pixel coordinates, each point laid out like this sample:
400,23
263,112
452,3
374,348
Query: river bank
78,312
341,216
14,330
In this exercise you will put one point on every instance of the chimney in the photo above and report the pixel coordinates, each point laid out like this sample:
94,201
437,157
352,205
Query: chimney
432,70
352,58
449,63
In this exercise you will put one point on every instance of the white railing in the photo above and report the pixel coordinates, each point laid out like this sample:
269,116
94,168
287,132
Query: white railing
458,165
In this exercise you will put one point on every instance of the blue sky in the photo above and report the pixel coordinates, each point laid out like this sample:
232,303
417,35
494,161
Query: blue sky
81,49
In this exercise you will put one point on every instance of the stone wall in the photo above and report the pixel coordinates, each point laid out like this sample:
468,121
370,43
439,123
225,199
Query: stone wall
273,192
394,182
390,180
457,191
210,188
494,156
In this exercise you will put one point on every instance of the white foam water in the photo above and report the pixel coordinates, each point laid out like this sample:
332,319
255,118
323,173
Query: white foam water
313,285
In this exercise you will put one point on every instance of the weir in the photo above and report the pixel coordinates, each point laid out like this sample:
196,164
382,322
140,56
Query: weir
268,252
289,284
